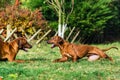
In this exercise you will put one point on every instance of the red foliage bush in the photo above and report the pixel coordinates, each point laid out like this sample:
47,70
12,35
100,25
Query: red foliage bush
23,19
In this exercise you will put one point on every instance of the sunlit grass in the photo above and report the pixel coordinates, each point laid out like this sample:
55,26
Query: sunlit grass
39,66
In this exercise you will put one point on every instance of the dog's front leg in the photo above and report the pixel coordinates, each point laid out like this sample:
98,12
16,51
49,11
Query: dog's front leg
12,59
63,59
19,61
74,58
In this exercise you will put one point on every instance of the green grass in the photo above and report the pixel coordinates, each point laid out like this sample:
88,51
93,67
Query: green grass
39,66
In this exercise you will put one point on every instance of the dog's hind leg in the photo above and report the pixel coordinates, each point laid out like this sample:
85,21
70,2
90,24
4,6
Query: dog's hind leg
107,57
103,55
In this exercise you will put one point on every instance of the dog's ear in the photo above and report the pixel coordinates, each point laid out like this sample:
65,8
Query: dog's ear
19,43
60,40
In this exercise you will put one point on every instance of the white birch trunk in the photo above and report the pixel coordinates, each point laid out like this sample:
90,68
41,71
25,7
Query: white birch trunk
59,29
59,6
63,29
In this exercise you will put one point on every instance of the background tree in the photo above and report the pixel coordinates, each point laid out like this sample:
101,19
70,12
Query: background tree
87,17
112,31
91,17
32,4
4,3
62,12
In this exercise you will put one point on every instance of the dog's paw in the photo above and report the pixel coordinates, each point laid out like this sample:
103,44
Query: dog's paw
19,61
57,60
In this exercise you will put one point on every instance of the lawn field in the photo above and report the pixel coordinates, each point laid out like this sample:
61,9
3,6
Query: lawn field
39,66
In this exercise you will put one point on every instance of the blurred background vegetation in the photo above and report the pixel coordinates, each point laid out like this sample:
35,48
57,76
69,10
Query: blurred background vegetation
97,20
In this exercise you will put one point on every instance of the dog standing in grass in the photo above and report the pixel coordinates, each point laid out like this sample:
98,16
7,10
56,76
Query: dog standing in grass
9,50
74,51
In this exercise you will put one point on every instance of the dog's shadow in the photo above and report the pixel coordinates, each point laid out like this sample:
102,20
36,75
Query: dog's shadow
29,60
37,59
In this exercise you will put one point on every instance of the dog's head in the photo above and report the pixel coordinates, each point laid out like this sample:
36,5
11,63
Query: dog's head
55,41
23,44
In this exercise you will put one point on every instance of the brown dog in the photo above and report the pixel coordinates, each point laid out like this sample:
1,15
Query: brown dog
9,50
74,51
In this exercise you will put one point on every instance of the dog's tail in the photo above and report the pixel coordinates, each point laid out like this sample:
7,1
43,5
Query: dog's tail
110,58
109,48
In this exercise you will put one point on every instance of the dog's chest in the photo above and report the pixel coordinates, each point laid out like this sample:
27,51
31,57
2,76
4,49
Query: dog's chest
66,51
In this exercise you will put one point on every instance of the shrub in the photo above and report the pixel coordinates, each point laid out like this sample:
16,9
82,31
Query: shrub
48,13
22,19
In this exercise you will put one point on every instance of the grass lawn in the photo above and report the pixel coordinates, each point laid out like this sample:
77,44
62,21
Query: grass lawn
39,66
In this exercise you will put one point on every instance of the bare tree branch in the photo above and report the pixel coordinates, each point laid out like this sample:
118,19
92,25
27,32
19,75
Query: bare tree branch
72,1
